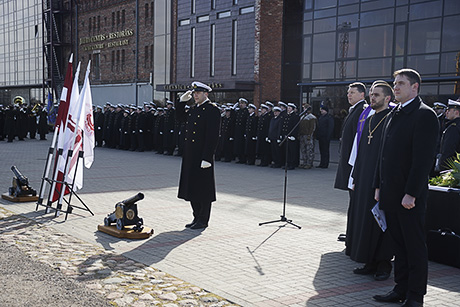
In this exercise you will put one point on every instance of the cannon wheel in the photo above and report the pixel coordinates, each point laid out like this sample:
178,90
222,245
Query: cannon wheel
119,224
106,222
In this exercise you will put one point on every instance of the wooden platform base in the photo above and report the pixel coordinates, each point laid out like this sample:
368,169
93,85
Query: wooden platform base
19,199
127,232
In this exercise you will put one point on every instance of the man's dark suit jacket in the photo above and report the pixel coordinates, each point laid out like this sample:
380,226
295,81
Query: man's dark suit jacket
349,127
407,153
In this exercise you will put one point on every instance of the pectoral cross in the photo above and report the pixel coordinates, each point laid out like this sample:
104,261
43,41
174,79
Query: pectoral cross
369,139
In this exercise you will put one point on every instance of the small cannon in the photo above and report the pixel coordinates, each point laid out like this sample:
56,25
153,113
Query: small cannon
126,214
20,185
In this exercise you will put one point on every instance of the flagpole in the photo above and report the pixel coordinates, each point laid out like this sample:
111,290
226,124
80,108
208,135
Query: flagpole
47,169
70,152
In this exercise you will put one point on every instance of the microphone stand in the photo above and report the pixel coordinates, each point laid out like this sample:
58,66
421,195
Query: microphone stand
283,217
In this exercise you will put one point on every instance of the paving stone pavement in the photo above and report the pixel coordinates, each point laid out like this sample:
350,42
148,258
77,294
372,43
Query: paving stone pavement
234,260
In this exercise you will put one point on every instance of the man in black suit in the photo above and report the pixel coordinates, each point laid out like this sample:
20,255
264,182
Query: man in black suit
197,183
356,93
407,153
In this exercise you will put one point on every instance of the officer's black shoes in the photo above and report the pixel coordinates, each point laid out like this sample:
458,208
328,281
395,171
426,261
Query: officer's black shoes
390,297
198,225
190,224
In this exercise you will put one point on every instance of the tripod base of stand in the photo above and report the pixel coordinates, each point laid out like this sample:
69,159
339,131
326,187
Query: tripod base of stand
282,219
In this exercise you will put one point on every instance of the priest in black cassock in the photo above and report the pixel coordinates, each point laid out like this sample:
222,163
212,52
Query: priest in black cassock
365,241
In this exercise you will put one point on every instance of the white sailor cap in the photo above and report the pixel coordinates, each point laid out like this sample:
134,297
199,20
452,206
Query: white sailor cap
264,106
276,109
440,105
268,103
252,106
98,107
292,105
170,102
200,87
280,103
243,100
452,104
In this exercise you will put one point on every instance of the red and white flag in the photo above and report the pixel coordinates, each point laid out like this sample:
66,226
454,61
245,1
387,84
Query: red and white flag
84,137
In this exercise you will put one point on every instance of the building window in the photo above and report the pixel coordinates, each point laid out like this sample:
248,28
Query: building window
224,14
213,4
192,9
212,51
192,54
234,45
98,23
89,26
118,61
113,21
96,66
113,60
184,22
123,60
151,12
146,12
151,56
202,18
123,18
118,19
246,10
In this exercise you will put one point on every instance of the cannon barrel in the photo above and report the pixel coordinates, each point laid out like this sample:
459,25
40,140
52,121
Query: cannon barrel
22,179
132,200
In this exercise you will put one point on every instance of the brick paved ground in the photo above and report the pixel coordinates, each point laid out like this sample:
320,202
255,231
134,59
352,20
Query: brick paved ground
235,258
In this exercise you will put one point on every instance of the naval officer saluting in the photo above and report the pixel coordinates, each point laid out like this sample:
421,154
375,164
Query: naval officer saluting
197,183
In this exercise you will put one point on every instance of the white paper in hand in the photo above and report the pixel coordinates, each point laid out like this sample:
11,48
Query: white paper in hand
379,216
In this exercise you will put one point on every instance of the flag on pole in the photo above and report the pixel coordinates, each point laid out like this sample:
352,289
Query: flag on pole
65,96
66,129
85,129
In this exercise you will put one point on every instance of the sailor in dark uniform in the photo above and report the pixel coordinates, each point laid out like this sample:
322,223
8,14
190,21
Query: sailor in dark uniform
450,140
241,116
263,144
197,183
251,135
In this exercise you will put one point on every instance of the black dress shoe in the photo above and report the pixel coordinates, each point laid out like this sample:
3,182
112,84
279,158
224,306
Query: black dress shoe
190,224
365,270
390,297
381,276
198,225
412,303
342,237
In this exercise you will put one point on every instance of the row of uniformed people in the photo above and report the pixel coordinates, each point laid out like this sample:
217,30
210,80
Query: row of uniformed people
247,135
22,121
137,128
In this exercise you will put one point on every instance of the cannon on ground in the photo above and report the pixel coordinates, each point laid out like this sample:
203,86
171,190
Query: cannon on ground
20,186
126,214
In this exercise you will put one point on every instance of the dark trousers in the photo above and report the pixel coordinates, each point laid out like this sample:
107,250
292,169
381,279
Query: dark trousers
201,211
411,256
324,152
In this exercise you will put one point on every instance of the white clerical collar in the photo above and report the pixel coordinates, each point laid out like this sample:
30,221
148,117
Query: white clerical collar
407,102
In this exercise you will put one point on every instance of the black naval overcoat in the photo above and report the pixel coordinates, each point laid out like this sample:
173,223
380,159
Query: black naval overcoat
201,138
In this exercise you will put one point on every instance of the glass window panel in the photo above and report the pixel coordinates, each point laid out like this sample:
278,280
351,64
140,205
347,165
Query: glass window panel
325,13
352,20
307,16
308,4
377,17
451,7
325,25
424,36
307,27
402,13
448,62
160,18
323,71
376,41
424,64
400,40
375,68
451,33
425,10
343,10
346,2
377,4
324,47
307,49
306,71
426,89
346,45
322,4
346,69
